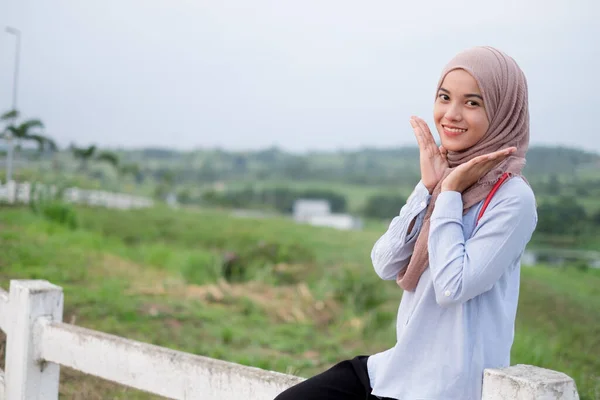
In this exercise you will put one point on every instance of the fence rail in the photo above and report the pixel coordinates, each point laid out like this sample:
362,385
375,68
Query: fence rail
3,326
25,192
38,342
2,385
154,369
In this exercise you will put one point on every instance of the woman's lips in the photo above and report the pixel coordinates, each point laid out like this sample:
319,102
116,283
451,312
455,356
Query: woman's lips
453,131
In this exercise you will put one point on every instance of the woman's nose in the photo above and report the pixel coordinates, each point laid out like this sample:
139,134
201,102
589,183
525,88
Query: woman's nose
453,113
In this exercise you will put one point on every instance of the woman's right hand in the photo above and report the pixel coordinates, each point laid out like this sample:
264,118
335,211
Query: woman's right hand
433,159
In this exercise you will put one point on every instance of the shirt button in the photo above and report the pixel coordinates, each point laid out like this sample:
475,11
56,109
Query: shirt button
423,204
447,293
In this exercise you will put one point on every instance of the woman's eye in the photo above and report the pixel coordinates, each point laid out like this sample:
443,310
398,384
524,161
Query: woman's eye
444,96
472,103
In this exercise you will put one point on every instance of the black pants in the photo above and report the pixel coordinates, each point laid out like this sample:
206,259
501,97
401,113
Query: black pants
347,380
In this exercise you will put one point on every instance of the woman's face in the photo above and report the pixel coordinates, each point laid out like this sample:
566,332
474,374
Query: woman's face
459,112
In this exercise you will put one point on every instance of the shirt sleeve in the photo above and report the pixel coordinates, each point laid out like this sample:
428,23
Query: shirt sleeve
392,252
462,269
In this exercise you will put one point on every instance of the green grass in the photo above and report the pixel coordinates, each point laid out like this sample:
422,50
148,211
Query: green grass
558,324
304,297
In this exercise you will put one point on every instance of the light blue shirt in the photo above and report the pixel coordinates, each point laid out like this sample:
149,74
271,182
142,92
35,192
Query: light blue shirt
460,319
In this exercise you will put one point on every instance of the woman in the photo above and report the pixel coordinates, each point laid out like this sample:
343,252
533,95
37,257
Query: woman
459,267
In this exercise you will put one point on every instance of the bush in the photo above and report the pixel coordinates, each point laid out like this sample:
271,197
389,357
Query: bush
383,206
563,217
248,263
201,268
582,266
58,212
362,291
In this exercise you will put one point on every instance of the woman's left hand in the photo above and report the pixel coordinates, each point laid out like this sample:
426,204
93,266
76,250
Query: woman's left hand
465,175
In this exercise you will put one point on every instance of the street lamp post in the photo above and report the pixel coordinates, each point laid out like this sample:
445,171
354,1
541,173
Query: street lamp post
9,139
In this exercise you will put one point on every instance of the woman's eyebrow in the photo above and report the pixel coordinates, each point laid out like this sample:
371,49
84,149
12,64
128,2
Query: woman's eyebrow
466,95
473,95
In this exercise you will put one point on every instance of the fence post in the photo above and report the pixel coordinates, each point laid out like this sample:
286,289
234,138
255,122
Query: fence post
28,377
23,193
11,188
527,382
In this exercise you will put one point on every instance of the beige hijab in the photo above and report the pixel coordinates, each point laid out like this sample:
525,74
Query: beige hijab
504,90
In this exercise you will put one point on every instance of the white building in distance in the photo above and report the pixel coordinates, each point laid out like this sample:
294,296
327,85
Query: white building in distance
318,213
305,209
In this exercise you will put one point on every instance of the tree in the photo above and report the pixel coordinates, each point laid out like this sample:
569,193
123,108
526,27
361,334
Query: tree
166,182
553,186
83,154
26,131
133,170
383,206
23,131
336,201
7,116
596,219
563,217
110,158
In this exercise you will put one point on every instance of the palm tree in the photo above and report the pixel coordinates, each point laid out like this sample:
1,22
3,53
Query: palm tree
109,158
7,116
22,131
44,143
83,154
25,131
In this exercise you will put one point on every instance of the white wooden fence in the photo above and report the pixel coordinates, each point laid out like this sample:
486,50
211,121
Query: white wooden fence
24,192
38,343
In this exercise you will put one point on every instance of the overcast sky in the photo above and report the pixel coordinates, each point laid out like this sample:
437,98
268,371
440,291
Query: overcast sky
302,75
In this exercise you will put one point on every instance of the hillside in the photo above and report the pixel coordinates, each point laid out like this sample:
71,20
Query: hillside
267,292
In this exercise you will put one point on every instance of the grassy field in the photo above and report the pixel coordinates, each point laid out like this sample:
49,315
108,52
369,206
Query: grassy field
297,298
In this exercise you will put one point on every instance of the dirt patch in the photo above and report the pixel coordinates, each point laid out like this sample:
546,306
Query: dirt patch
111,266
286,303
156,309
291,303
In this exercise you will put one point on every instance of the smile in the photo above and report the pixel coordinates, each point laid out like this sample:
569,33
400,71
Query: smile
453,130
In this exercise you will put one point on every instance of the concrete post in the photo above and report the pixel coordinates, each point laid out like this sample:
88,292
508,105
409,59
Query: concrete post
527,382
28,377
11,188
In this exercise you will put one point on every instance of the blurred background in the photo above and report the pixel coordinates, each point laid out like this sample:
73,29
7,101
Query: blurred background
211,176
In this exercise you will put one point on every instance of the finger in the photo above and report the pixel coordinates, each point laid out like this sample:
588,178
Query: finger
443,152
428,140
486,166
418,134
479,159
416,131
424,143
498,155
486,160
426,131
503,153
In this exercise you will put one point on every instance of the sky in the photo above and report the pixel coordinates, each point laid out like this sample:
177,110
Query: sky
301,75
